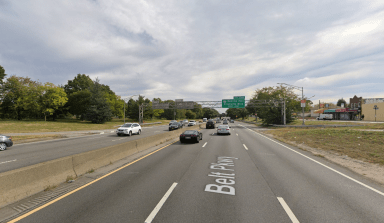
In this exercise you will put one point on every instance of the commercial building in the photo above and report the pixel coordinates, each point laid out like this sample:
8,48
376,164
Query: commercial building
372,109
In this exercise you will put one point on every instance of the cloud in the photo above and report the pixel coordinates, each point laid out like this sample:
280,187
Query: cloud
198,50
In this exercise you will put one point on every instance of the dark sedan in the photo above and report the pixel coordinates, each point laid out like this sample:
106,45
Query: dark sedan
175,125
191,135
5,141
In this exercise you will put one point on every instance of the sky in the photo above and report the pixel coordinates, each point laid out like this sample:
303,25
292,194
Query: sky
202,50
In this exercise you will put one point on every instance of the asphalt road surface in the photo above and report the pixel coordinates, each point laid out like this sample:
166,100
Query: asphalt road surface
243,177
28,154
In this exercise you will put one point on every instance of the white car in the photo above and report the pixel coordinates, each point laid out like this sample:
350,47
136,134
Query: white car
191,123
129,129
223,129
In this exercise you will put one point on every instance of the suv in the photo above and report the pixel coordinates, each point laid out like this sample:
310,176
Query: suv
129,129
210,124
191,123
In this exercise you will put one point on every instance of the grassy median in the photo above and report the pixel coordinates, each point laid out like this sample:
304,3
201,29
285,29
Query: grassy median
60,125
356,143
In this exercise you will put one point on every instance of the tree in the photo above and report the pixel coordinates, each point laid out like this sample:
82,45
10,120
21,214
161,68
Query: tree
2,74
169,113
270,111
99,110
198,110
52,99
158,112
78,95
20,98
190,114
210,113
341,101
115,102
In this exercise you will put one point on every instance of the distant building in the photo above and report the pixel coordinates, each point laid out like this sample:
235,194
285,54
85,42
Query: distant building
369,111
355,104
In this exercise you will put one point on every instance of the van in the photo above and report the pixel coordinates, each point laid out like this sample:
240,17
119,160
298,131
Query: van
325,117
204,119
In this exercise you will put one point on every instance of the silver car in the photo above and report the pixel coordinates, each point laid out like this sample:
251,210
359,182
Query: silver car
223,129
5,141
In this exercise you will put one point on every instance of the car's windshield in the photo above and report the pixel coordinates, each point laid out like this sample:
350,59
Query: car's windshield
223,126
175,123
190,132
127,125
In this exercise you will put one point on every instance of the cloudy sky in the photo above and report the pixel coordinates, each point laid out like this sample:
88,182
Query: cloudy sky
203,50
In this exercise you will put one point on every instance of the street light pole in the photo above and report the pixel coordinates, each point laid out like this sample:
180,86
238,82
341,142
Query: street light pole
130,97
302,98
302,94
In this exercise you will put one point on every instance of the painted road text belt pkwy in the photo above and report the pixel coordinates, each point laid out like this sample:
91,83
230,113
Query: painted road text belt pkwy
224,180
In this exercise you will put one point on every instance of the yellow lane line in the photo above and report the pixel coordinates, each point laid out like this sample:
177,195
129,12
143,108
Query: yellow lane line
86,185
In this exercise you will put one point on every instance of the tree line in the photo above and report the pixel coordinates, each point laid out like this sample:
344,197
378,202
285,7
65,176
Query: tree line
83,98
269,111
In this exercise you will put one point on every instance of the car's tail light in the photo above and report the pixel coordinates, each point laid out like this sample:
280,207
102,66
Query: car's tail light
227,129
193,135
182,135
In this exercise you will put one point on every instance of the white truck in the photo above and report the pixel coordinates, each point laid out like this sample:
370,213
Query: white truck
325,117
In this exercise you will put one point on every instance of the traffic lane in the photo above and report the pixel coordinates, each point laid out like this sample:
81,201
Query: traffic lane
222,185
314,192
27,154
129,195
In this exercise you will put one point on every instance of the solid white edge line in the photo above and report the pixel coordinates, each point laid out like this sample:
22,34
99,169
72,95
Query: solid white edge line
160,204
330,168
205,144
245,146
289,212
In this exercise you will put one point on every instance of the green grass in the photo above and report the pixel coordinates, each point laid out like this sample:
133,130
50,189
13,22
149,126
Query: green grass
60,125
363,145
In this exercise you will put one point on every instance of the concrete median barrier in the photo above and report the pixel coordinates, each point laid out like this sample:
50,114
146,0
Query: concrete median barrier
26,181
92,160
20,183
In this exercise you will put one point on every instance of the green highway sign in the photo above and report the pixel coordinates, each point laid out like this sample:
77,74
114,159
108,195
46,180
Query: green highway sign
232,103
236,102
239,97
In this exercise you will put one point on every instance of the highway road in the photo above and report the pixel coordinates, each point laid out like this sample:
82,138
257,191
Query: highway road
28,154
244,177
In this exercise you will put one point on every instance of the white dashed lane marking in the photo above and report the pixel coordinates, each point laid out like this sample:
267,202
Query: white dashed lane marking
8,161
